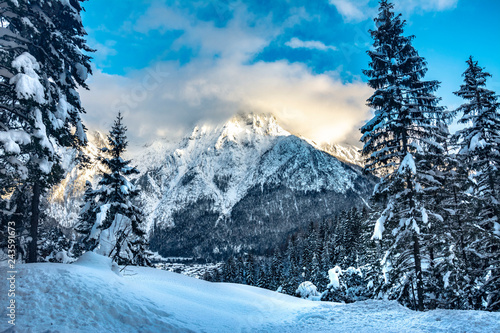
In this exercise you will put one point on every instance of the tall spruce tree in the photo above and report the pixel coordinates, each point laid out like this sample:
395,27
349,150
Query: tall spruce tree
454,271
41,66
111,219
406,124
479,153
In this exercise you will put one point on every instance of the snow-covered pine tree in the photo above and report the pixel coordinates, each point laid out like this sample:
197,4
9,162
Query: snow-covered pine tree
117,230
310,250
86,220
276,271
432,165
41,66
229,270
352,238
241,276
54,245
326,255
250,270
453,268
479,151
339,234
318,276
403,126
263,277
370,262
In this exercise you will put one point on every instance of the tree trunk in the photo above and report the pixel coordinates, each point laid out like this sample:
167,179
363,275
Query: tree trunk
435,277
35,216
418,272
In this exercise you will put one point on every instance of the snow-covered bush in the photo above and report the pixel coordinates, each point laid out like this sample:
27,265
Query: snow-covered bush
336,288
334,275
345,285
356,285
307,290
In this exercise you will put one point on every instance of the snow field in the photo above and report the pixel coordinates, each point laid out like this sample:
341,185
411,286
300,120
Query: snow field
91,295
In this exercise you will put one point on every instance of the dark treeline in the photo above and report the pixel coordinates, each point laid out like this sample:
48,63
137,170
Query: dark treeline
343,240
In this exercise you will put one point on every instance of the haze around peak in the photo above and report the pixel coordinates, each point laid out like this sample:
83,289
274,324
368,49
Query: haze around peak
317,107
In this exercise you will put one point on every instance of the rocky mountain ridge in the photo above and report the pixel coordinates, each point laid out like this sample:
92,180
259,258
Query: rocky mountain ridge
242,186
245,185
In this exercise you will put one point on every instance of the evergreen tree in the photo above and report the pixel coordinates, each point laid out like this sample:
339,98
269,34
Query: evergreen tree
241,276
371,255
406,123
310,251
326,263
339,234
351,238
41,66
479,151
86,220
317,274
229,270
116,221
250,271
263,277
54,245
452,230
275,271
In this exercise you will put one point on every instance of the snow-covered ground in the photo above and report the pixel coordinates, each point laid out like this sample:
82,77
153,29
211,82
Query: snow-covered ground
89,296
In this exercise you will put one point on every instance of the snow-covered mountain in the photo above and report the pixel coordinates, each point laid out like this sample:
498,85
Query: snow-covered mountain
247,184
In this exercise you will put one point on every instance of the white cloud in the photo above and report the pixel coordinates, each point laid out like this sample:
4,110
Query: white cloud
352,10
243,36
167,99
103,51
359,10
296,43
409,6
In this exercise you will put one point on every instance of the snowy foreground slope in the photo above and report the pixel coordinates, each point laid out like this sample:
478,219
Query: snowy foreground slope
89,296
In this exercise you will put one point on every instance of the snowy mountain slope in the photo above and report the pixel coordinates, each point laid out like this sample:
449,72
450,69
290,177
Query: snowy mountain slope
343,152
89,296
223,163
65,199
245,185
212,163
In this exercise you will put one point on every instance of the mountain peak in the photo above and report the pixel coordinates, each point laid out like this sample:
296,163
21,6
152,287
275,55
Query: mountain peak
242,128
248,128
259,123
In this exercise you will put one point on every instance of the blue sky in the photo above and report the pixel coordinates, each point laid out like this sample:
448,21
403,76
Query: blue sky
169,65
